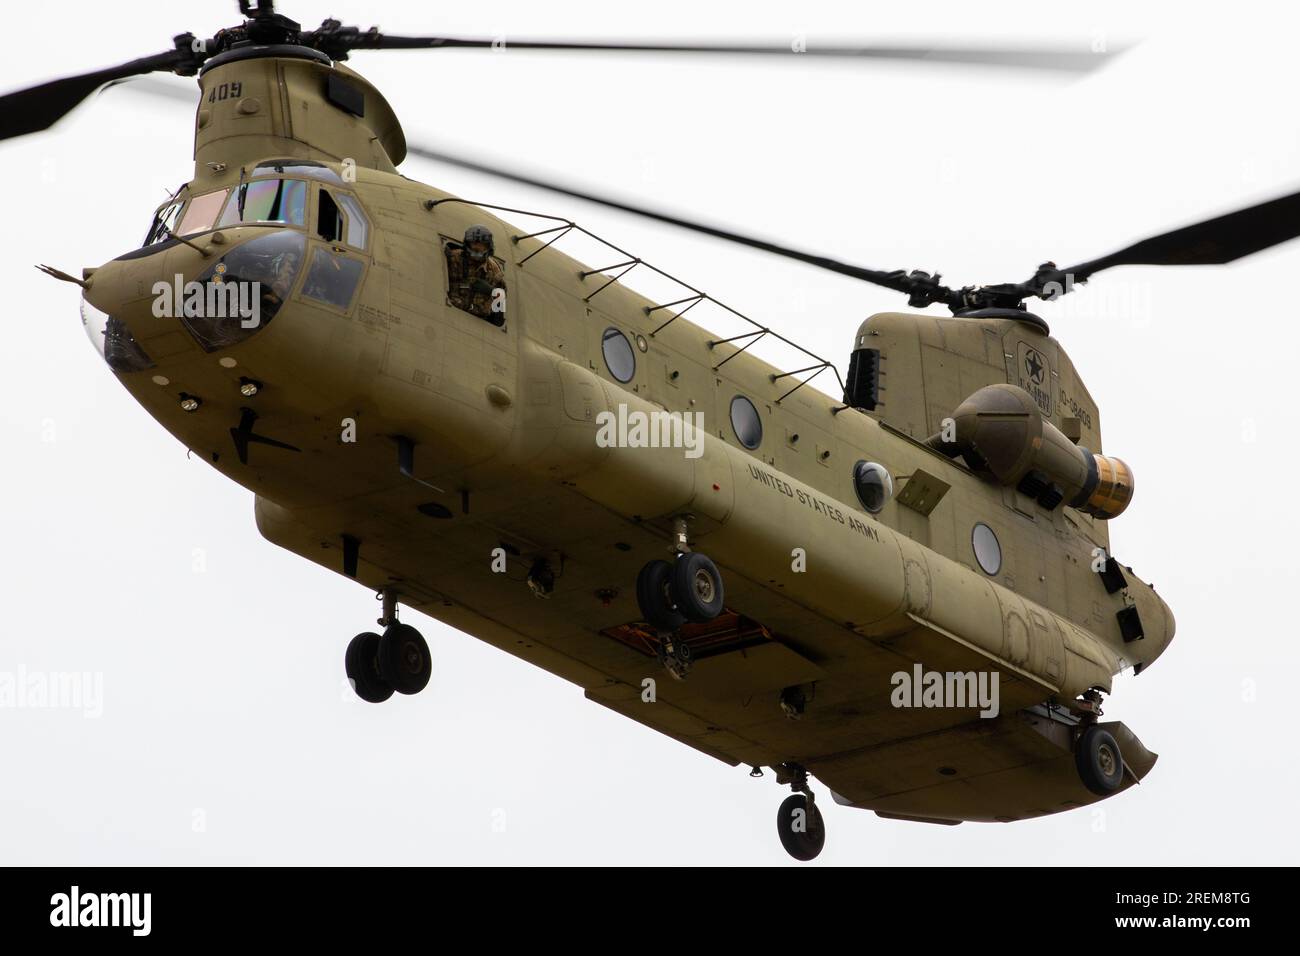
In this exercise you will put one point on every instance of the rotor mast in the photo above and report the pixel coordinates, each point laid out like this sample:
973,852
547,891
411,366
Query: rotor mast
291,102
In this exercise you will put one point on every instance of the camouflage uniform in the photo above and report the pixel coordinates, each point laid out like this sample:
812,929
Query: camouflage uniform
470,284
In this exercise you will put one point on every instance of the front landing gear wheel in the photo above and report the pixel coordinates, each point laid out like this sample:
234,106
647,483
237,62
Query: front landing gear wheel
404,660
800,827
1097,756
362,664
697,587
654,598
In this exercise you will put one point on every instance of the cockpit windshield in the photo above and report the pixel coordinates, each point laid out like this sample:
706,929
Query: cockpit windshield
201,213
164,223
268,200
261,200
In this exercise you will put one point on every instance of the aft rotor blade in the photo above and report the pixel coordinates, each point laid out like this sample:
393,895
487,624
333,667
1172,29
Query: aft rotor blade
1212,242
892,280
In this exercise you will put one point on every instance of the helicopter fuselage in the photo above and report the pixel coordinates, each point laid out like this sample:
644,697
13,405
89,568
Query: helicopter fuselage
391,435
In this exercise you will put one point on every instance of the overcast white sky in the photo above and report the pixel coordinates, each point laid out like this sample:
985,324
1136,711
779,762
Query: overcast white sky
227,734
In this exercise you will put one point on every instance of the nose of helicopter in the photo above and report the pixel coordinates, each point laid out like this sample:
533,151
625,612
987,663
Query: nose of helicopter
120,313
180,323
183,300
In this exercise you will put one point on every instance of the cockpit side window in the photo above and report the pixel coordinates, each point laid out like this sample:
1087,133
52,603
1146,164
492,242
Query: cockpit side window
202,213
358,225
164,223
268,200
339,218
329,221
332,278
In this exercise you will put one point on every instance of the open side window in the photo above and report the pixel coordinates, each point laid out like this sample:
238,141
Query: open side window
339,218
475,285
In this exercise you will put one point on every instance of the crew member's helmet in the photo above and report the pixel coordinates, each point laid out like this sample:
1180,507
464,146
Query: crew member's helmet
476,235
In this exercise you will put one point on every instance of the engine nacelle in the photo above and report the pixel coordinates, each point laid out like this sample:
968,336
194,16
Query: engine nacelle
1001,434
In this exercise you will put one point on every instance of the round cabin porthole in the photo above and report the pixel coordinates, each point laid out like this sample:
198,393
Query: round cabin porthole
874,485
619,357
745,422
987,550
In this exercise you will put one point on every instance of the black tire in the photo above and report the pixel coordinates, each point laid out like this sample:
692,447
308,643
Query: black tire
653,595
1100,764
697,587
362,664
404,659
800,827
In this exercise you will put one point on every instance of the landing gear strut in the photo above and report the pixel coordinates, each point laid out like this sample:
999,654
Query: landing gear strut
798,822
398,660
675,655
670,594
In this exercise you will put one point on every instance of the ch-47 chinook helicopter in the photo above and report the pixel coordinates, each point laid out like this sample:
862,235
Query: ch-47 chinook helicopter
802,570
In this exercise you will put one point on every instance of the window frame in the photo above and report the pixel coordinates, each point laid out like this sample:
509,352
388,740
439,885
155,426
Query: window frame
446,243
631,350
339,198
887,485
317,246
153,236
996,543
227,192
758,417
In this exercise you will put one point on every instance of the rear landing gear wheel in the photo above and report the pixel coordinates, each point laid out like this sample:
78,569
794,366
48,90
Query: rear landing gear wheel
697,587
404,660
362,664
654,597
800,827
1100,765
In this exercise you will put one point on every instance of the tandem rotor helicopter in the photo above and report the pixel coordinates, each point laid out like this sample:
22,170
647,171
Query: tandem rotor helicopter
446,408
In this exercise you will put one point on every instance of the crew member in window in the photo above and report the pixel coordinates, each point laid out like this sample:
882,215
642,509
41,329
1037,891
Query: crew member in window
475,281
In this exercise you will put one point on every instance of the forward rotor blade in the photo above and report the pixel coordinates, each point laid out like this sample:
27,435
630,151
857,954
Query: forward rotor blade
1212,242
897,280
163,89
1053,59
40,107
